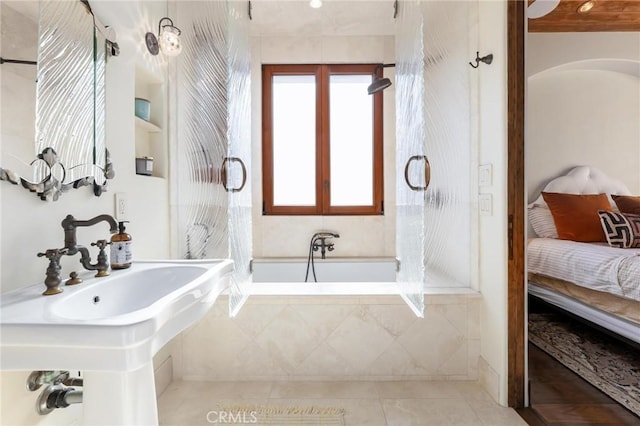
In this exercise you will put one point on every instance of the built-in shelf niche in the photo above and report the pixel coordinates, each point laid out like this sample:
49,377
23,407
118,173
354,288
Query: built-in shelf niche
151,136
147,125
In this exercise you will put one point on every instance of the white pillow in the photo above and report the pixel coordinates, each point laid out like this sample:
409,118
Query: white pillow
541,221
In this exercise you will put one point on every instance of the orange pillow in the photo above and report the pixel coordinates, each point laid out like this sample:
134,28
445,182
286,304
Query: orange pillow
576,216
627,203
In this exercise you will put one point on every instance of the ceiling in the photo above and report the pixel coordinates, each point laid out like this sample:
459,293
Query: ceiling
335,17
375,17
606,15
297,18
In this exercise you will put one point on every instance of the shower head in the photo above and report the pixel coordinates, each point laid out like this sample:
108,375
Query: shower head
379,83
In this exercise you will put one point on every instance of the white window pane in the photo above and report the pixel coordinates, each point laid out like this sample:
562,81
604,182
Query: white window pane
351,121
294,140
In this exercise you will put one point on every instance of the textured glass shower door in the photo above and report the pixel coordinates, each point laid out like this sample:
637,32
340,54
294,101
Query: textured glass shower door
436,148
213,141
239,150
411,163
449,37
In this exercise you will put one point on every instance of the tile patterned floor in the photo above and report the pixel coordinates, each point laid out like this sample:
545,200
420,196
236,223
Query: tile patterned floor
366,403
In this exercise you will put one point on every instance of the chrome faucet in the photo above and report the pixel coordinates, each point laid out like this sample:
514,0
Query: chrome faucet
69,224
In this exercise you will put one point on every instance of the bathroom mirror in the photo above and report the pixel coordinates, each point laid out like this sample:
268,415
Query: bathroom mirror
69,139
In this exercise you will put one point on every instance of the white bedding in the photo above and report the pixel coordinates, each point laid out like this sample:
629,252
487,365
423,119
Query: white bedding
595,266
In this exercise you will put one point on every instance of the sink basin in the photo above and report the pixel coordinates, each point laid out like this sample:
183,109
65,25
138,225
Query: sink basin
115,323
110,328
114,300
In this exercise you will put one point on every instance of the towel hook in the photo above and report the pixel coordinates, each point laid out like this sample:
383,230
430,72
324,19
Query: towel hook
486,59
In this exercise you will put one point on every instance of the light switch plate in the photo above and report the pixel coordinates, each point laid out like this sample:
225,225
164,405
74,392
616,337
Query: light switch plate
485,204
485,175
121,206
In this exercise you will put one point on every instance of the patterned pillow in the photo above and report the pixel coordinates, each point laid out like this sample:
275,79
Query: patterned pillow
621,229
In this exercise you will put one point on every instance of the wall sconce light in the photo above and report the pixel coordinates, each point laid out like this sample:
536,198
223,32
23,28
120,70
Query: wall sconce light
379,83
315,4
168,39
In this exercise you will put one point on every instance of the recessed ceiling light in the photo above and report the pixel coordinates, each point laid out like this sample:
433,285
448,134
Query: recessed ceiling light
315,4
586,6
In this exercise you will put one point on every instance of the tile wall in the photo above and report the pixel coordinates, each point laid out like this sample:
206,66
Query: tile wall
333,338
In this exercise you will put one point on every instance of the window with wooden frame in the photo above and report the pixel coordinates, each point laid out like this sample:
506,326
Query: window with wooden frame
321,140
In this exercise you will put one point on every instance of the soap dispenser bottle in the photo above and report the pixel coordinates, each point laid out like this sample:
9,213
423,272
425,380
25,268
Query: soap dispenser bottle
121,248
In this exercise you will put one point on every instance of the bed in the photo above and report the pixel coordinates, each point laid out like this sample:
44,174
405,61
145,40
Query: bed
591,280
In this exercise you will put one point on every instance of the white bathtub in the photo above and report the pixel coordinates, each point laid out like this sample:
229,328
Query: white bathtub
348,276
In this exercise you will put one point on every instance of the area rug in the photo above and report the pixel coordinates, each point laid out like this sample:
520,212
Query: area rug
605,362
279,415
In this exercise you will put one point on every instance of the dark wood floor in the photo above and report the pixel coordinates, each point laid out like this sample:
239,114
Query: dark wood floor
558,396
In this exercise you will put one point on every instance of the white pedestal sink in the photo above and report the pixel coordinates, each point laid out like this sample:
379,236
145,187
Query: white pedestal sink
110,328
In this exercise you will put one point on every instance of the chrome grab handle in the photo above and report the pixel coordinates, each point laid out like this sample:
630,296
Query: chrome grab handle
427,173
224,174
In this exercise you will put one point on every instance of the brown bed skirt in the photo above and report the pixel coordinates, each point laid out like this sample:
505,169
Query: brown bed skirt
615,305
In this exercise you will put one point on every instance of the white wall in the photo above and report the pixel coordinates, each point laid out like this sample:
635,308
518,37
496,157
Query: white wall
583,104
492,90
547,50
29,225
286,236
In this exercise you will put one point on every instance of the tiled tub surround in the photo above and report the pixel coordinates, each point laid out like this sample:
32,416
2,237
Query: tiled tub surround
317,338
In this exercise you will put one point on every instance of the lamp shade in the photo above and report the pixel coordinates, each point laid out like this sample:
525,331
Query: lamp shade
169,41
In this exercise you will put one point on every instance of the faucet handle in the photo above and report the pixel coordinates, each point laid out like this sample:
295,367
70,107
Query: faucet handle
103,263
54,253
101,244
52,280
